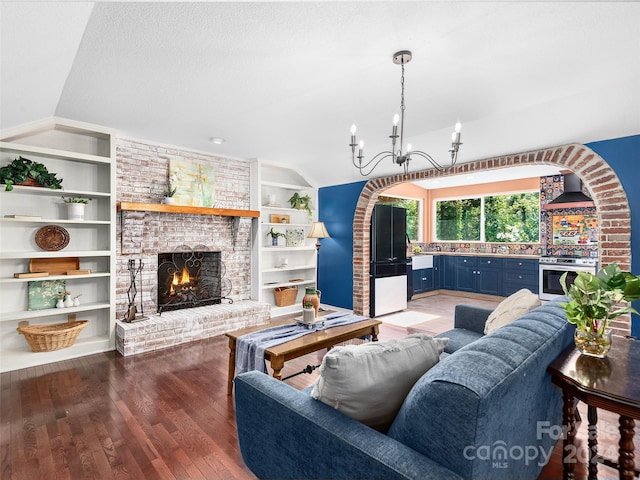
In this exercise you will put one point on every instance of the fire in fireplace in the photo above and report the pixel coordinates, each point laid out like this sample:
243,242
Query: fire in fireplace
191,278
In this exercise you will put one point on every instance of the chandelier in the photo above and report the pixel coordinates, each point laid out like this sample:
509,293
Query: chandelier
399,155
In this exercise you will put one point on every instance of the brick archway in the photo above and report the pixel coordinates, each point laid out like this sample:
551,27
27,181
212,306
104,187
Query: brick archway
611,202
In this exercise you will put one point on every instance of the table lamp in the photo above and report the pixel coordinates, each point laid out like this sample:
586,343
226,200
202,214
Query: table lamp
318,231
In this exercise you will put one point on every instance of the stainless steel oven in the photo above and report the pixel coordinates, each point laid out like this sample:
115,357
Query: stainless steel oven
552,268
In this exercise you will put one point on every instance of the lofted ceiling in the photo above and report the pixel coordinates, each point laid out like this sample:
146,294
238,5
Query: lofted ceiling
284,81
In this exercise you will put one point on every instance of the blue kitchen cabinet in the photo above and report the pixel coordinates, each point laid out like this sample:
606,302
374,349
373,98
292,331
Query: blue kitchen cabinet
423,280
428,279
488,276
474,274
518,274
477,274
465,273
448,272
437,272
417,281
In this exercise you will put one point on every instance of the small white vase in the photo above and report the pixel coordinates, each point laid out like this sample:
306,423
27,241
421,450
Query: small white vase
169,201
68,301
60,304
76,302
308,315
75,211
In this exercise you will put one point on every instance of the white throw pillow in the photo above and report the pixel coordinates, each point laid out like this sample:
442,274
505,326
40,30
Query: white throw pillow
510,309
369,382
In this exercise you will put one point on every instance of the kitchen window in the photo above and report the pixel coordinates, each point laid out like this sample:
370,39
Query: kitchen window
506,218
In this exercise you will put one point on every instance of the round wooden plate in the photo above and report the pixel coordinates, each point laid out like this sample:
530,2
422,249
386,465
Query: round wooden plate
52,238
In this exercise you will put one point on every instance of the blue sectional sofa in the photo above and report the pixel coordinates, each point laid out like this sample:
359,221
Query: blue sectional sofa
484,411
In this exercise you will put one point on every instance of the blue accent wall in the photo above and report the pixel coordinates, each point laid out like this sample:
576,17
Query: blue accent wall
337,206
623,155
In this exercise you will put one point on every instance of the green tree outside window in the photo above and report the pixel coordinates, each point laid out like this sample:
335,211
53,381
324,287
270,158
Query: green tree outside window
511,218
413,213
458,220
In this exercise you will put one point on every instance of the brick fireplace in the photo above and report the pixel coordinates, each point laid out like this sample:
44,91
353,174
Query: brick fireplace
142,173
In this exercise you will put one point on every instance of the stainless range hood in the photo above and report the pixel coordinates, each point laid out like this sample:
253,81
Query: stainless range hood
572,196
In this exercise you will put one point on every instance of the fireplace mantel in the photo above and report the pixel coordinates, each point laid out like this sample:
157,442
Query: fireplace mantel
162,208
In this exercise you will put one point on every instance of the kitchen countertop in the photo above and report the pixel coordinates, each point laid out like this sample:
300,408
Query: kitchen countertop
477,254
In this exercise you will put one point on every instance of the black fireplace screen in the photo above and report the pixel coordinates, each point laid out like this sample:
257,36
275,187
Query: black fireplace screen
189,279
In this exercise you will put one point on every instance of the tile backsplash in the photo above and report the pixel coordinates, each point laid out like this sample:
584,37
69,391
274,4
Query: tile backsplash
477,248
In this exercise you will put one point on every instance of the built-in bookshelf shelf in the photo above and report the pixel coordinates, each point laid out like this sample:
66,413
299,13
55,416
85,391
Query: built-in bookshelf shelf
83,155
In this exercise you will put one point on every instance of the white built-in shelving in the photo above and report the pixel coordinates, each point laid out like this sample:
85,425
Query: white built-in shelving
282,265
84,157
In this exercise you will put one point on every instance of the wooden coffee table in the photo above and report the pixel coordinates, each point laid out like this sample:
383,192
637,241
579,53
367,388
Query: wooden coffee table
312,342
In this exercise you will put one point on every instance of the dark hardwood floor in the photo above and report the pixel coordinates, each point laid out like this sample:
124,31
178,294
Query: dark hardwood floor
160,415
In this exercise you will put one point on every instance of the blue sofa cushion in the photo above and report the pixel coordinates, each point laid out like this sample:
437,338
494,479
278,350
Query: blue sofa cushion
458,338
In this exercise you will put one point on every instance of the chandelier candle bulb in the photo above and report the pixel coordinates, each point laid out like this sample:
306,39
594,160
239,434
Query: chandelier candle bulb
456,133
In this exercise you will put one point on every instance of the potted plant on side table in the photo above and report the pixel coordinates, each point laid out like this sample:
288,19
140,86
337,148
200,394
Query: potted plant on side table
594,301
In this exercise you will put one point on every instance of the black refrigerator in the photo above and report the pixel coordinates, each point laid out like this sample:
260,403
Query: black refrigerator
388,269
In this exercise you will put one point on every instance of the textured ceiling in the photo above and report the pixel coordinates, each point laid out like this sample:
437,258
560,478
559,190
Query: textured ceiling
284,81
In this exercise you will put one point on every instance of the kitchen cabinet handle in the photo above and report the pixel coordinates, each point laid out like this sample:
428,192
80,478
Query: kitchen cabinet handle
519,277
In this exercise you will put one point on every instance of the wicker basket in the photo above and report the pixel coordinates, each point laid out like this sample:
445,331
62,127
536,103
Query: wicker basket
44,338
285,296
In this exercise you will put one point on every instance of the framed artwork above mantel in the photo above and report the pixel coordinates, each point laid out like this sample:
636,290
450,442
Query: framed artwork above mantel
194,182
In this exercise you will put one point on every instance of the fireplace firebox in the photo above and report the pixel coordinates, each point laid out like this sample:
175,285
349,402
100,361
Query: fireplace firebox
191,278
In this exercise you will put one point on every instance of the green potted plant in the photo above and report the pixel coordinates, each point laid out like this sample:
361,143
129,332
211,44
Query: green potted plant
594,301
274,236
301,202
168,194
75,207
23,171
